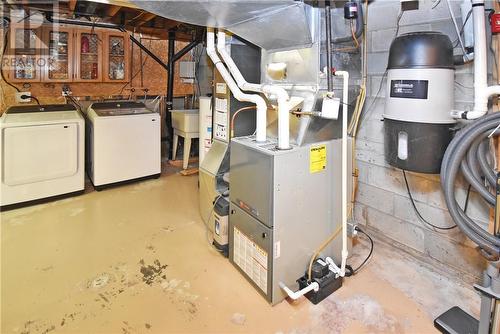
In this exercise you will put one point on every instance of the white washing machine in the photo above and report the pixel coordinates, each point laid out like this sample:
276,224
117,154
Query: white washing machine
123,143
42,153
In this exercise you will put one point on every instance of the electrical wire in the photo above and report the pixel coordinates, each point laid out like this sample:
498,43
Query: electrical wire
418,212
320,249
435,4
32,97
368,110
75,103
494,57
463,86
353,33
5,42
365,261
356,45
455,42
136,73
197,55
456,27
398,22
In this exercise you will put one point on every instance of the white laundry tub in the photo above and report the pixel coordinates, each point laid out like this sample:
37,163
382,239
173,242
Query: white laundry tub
185,120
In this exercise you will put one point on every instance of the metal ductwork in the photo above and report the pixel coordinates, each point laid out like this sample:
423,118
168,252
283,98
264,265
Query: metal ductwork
269,24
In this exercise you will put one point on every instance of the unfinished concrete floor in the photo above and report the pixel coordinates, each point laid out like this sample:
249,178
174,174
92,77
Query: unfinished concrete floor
135,259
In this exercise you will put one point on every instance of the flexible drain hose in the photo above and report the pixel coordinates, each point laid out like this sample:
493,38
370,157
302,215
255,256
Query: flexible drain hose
468,151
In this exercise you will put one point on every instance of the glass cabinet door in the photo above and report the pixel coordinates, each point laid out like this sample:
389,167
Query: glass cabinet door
89,47
59,65
116,54
25,47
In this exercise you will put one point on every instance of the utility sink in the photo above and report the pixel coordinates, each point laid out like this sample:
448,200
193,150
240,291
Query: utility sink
185,120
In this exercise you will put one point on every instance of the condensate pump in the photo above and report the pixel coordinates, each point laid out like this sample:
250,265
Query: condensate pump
419,101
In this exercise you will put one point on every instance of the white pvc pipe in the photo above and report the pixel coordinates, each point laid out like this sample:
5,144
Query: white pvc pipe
482,92
280,93
345,99
332,266
233,69
237,93
297,294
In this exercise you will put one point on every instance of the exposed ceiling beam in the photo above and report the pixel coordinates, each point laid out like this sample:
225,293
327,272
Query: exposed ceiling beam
112,11
72,5
120,3
144,19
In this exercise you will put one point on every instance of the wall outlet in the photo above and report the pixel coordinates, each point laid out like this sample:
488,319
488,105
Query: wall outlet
19,99
66,91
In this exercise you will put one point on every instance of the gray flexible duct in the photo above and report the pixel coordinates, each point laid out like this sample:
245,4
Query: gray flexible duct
468,151
483,162
470,170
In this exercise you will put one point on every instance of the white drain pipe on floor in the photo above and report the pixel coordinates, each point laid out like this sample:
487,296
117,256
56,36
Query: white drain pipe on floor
237,93
482,92
345,101
297,294
280,93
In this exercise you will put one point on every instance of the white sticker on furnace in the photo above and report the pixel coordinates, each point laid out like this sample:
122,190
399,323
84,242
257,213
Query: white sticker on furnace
277,250
220,88
251,258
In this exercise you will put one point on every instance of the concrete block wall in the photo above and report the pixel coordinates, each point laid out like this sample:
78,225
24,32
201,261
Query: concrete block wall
382,202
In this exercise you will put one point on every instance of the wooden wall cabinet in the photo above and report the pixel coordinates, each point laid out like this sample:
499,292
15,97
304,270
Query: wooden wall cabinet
116,57
26,59
66,54
88,56
59,54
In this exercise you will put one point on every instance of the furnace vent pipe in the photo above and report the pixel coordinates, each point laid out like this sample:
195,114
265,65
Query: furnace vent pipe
345,99
482,92
237,93
280,93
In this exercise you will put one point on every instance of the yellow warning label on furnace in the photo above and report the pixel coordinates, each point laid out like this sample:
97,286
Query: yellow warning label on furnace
317,159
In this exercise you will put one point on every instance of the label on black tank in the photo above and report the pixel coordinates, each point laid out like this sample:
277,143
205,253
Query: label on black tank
410,89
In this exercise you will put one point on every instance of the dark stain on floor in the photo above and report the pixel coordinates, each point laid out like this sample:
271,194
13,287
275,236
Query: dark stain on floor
152,272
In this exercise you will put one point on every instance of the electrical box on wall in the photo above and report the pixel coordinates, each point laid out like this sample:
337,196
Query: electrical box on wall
187,70
23,97
495,23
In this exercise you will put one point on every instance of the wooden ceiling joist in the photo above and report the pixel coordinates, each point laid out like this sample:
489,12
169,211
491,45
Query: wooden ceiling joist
144,19
112,11
109,11
72,5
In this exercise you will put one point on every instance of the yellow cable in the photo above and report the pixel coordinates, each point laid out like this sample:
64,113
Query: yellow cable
320,249
353,33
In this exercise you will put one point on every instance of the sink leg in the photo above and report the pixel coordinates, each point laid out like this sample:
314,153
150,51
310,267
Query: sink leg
187,150
174,148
